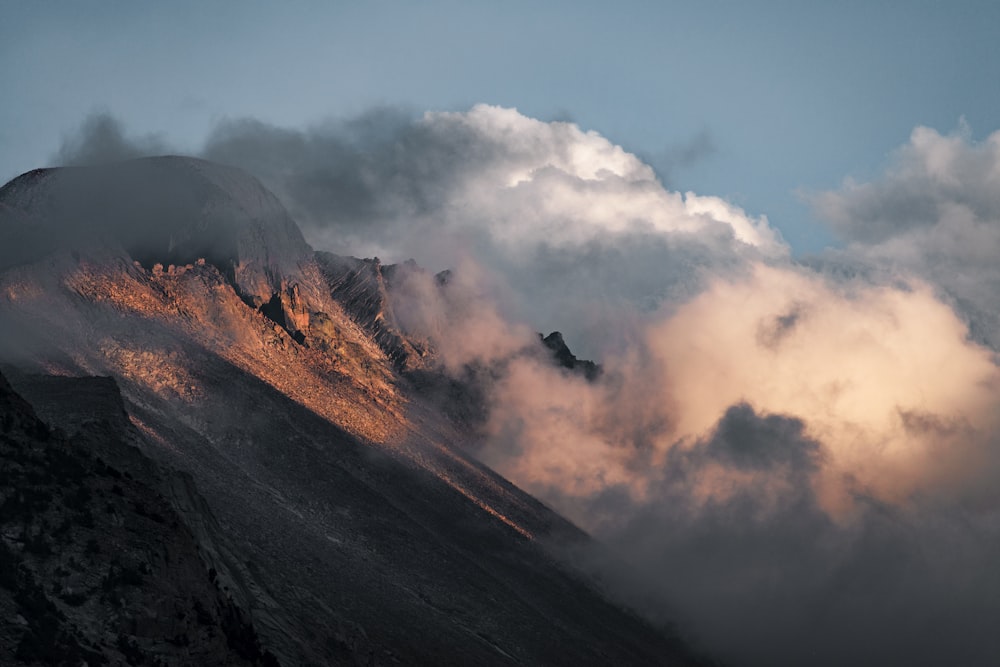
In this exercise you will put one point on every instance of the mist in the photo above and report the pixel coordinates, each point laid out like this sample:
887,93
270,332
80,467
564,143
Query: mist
793,459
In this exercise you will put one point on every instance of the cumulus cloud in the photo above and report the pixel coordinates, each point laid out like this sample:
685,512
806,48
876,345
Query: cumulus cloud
488,171
561,213
935,213
546,204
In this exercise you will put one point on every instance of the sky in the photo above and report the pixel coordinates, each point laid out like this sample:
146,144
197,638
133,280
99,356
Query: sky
756,102
776,226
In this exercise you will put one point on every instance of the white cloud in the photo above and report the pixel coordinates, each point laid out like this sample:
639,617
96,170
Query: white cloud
546,204
553,183
934,213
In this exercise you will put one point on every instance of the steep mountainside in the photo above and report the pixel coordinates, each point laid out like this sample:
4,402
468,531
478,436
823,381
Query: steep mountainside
96,566
347,521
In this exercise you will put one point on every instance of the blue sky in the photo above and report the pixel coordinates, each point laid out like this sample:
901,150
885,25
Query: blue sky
791,96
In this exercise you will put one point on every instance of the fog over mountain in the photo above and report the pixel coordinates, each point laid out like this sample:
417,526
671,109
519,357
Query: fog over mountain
791,459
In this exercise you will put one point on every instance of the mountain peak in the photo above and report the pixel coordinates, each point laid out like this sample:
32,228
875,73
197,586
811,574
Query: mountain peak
562,355
168,210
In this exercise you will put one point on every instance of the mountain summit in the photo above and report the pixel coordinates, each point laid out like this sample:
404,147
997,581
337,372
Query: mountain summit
167,210
335,507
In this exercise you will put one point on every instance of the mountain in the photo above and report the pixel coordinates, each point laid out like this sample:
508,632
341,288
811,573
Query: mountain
167,317
171,209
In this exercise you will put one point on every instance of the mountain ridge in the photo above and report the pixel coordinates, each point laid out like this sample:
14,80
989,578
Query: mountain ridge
346,493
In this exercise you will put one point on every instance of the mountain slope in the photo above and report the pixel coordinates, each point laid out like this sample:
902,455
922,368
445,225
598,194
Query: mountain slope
96,566
362,528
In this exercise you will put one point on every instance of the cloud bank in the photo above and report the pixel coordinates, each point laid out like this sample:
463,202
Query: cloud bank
547,205
936,213
796,458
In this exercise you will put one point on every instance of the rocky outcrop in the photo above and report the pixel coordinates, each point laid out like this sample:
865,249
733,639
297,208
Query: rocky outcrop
562,355
362,286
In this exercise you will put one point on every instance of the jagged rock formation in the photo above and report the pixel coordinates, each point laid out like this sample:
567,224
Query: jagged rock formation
564,357
344,520
361,286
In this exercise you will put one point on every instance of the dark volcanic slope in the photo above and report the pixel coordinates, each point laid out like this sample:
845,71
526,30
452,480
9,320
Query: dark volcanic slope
349,523
96,566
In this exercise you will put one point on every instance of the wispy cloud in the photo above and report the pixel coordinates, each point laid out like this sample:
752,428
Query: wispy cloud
101,138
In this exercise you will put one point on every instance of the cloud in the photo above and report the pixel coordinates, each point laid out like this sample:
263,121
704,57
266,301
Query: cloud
683,154
929,176
545,204
934,213
795,459
826,497
488,171
767,577
560,213
849,359
101,139
867,369
459,314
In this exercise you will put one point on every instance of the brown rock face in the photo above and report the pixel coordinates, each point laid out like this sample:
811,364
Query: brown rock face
361,287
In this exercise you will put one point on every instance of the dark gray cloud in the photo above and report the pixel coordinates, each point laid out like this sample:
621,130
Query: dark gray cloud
360,180
330,177
747,441
166,209
772,332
